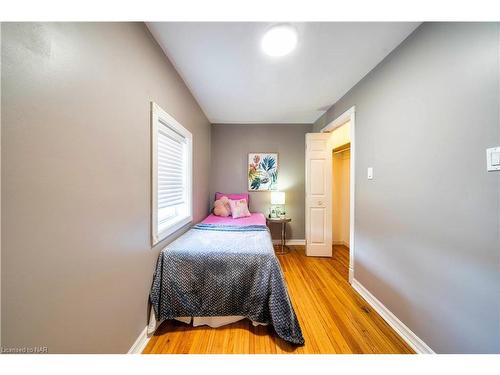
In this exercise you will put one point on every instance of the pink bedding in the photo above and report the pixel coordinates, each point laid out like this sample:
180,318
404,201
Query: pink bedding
256,218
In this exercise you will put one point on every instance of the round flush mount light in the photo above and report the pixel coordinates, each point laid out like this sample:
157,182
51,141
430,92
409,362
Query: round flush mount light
279,40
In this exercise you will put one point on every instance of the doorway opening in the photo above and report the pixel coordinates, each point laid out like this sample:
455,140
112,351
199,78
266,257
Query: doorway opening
320,148
341,143
340,203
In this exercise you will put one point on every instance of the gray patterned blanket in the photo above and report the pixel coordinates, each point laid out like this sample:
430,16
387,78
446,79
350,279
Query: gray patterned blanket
218,270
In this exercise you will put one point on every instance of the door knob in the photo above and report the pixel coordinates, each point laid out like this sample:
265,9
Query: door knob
320,203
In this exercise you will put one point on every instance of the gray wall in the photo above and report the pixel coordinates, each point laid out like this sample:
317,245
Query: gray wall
76,256
230,147
427,236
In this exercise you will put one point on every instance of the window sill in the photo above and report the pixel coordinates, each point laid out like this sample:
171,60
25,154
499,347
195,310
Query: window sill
171,228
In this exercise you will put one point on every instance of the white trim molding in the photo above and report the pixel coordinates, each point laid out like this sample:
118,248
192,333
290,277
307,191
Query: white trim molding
140,343
291,242
339,121
401,329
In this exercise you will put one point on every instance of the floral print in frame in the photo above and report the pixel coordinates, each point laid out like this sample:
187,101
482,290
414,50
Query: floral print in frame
262,171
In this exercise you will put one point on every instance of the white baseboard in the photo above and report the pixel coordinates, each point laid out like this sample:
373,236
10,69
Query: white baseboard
140,344
402,330
290,242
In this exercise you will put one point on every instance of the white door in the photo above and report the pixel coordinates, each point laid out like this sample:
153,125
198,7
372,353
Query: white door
318,195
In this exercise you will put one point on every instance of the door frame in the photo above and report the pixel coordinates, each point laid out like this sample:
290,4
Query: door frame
349,115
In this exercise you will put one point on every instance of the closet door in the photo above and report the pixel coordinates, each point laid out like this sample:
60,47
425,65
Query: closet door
318,195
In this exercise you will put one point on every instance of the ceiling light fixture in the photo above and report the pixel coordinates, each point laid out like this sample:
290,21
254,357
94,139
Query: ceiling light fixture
279,40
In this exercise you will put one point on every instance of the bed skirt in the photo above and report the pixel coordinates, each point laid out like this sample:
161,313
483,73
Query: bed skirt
211,321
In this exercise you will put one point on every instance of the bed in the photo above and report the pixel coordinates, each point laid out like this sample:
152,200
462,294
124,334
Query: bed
220,271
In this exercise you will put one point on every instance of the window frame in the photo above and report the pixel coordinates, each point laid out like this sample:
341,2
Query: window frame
161,118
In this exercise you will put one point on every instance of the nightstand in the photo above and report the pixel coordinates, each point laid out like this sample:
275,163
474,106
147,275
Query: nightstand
284,249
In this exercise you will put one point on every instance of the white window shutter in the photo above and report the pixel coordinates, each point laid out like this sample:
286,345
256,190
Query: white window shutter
171,174
171,170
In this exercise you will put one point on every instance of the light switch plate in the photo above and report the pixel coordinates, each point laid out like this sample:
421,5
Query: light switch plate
493,159
370,173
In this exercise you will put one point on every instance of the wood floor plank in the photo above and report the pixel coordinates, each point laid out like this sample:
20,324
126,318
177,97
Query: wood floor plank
333,317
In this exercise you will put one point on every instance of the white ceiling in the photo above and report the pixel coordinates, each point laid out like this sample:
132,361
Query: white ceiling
234,82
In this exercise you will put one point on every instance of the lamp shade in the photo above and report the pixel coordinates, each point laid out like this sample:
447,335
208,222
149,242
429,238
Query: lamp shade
277,197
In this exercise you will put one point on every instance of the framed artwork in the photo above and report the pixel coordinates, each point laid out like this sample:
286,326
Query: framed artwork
262,171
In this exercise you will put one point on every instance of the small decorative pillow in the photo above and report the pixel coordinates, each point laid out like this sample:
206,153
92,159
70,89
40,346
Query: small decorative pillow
239,208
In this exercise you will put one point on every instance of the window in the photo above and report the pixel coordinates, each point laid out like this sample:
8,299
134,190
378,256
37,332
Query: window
172,154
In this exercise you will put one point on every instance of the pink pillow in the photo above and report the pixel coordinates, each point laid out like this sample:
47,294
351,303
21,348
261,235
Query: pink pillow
239,208
233,196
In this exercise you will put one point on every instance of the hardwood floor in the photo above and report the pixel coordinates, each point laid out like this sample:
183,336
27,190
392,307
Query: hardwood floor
333,318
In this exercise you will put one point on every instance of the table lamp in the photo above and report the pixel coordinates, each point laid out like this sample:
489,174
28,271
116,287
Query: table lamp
277,204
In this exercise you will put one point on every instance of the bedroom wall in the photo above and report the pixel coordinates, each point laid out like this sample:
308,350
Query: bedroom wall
231,144
427,226
77,262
